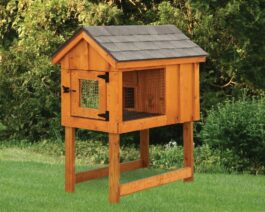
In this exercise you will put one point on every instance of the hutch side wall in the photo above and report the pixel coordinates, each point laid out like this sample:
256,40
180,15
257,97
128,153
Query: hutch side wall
181,96
182,93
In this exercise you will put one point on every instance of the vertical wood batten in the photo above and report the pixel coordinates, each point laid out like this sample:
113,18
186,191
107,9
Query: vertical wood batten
65,97
69,159
172,91
114,168
144,147
114,100
196,112
188,147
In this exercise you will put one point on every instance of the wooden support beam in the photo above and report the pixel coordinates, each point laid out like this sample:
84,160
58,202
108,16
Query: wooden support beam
69,159
114,168
154,181
102,172
188,148
144,147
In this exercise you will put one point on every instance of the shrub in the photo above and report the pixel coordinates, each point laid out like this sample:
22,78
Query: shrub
238,126
29,84
168,156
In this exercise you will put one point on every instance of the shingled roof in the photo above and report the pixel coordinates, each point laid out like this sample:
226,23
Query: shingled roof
139,42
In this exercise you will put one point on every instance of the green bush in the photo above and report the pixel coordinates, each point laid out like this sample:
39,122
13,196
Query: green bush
238,126
30,31
168,156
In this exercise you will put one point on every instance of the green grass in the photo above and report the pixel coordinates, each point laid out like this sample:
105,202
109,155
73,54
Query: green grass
35,182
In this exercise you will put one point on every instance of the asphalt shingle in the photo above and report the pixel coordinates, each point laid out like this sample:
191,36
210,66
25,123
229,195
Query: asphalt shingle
138,42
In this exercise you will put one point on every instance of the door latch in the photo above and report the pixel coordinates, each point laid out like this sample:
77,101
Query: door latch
67,89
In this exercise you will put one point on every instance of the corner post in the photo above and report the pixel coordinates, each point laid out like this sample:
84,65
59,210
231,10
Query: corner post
188,148
144,147
114,167
69,159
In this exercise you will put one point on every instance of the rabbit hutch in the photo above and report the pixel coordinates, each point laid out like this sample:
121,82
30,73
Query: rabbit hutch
119,79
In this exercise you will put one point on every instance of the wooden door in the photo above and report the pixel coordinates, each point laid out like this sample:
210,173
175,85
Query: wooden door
88,94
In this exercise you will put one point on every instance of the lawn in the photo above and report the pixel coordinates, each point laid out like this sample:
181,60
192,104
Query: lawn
34,182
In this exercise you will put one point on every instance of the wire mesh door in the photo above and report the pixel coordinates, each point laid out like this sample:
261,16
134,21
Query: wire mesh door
88,96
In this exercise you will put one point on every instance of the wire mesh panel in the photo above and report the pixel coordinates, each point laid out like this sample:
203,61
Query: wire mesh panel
129,98
89,95
143,94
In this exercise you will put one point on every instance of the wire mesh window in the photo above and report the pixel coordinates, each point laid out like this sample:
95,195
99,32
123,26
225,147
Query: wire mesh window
89,94
129,101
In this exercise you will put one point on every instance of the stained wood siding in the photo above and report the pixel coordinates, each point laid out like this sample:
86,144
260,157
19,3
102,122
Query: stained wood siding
84,57
182,93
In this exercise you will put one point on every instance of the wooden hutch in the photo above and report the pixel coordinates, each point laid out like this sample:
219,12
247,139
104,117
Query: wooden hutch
119,79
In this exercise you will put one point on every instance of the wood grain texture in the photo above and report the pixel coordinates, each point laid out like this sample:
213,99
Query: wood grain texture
172,93
188,148
114,168
65,62
196,111
151,91
65,97
78,56
142,124
124,66
100,51
96,62
144,147
114,100
154,181
69,159
82,36
89,124
59,55
186,92
102,172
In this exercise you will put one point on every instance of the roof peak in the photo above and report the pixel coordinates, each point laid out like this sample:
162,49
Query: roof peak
142,42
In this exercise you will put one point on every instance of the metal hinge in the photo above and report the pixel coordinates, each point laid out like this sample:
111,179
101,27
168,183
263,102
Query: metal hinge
104,115
67,89
104,76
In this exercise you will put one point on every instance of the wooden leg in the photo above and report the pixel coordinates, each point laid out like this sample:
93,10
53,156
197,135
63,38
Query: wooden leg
114,168
144,147
69,159
188,148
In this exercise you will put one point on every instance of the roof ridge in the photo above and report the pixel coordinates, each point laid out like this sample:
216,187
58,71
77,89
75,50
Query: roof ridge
99,36
197,46
144,41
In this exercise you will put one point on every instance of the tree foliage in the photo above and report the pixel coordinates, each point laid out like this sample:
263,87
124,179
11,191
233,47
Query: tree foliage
31,30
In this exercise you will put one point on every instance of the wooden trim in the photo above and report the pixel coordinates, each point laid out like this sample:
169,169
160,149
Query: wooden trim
188,148
114,168
154,181
82,35
99,50
85,123
196,115
69,159
142,68
102,172
158,62
59,55
114,100
144,147
172,93
142,124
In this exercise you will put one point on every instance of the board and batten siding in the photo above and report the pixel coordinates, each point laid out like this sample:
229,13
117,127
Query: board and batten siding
84,57
182,93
